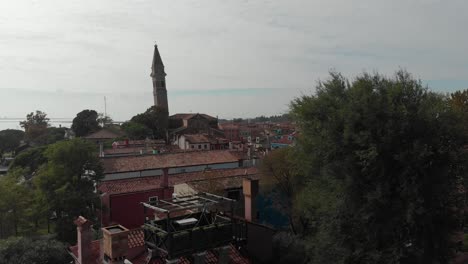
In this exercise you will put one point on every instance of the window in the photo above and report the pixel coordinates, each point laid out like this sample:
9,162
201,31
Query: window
153,200
234,194
192,146
199,146
163,83
206,146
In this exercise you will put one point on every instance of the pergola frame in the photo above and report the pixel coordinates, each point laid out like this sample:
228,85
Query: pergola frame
190,202
215,223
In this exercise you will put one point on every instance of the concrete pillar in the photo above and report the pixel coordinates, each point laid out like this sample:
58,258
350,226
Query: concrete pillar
165,178
250,190
199,258
223,254
84,237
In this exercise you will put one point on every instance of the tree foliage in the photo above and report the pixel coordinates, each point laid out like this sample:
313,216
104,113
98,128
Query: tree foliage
85,122
104,120
35,124
156,119
30,159
134,130
14,201
383,164
21,250
10,139
279,169
67,181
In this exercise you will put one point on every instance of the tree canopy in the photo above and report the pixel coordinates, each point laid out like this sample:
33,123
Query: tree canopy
14,201
66,183
156,119
35,124
85,122
30,159
21,250
10,139
383,163
134,130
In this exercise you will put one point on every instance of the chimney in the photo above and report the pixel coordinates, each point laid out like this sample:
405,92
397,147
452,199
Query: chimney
83,228
115,243
250,190
165,178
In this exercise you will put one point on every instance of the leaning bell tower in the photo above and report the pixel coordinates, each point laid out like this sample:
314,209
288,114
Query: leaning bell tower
159,81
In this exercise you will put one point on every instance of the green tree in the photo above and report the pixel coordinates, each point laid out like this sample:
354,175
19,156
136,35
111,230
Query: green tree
85,122
384,163
38,251
30,159
104,120
10,139
51,135
14,201
135,130
156,119
35,124
67,182
279,169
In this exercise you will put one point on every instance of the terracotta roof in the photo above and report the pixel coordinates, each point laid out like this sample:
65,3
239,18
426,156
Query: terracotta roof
227,126
218,183
136,150
166,160
197,138
95,251
140,142
185,116
130,185
210,174
103,134
154,182
136,238
211,257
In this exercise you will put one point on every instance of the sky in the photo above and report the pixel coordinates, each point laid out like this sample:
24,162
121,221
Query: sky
229,58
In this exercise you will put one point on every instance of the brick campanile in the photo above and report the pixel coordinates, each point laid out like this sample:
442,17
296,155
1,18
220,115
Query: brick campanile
159,81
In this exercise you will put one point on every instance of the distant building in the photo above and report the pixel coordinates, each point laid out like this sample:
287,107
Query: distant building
201,142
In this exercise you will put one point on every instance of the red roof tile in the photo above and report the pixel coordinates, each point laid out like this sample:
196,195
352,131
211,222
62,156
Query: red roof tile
136,238
210,174
211,256
136,150
185,116
197,138
154,182
95,251
130,185
166,160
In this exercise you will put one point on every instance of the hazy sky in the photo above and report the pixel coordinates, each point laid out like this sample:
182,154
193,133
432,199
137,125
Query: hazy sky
231,58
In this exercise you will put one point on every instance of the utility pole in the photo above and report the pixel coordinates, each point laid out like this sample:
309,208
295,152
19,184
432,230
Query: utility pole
105,107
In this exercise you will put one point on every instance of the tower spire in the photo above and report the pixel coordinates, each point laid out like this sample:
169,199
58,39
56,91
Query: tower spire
157,67
159,81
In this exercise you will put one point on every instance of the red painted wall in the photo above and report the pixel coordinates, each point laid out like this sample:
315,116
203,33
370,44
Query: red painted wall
126,209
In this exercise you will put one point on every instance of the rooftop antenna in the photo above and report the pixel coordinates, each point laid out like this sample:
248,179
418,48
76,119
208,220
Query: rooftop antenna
105,107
